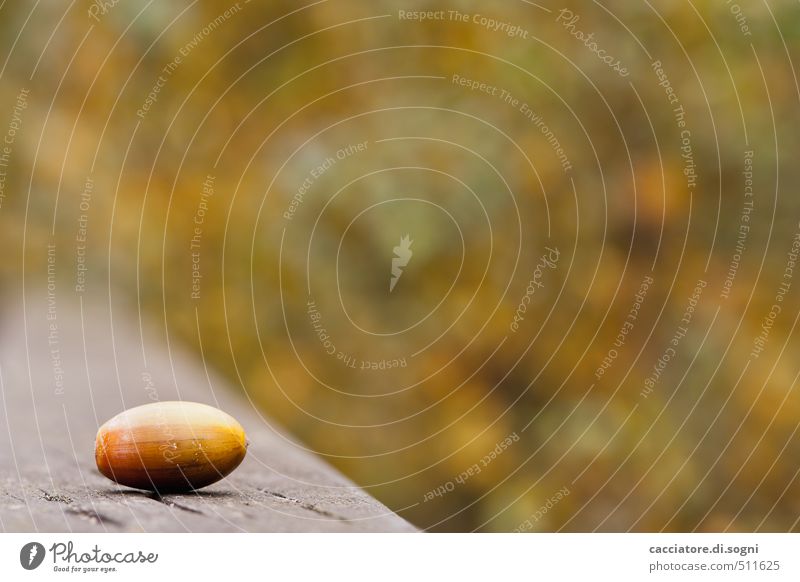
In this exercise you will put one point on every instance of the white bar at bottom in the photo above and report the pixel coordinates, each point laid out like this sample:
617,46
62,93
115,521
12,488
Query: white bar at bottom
401,557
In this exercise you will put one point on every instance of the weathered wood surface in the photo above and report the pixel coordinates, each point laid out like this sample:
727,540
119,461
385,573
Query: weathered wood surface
48,478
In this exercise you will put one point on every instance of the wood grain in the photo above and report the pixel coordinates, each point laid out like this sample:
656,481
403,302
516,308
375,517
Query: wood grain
65,371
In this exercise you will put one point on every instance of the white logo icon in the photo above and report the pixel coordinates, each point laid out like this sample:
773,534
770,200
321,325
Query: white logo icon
403,254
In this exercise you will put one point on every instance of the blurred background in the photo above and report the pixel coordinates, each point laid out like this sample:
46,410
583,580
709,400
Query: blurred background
594,326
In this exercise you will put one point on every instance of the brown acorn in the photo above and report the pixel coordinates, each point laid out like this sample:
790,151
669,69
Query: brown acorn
169,447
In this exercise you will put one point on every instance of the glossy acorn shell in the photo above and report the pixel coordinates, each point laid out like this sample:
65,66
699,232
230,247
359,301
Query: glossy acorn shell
169,447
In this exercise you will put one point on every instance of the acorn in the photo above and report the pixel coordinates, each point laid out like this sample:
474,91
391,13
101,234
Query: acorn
170,447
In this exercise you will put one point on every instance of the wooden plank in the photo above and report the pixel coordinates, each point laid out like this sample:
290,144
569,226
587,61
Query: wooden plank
49,481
